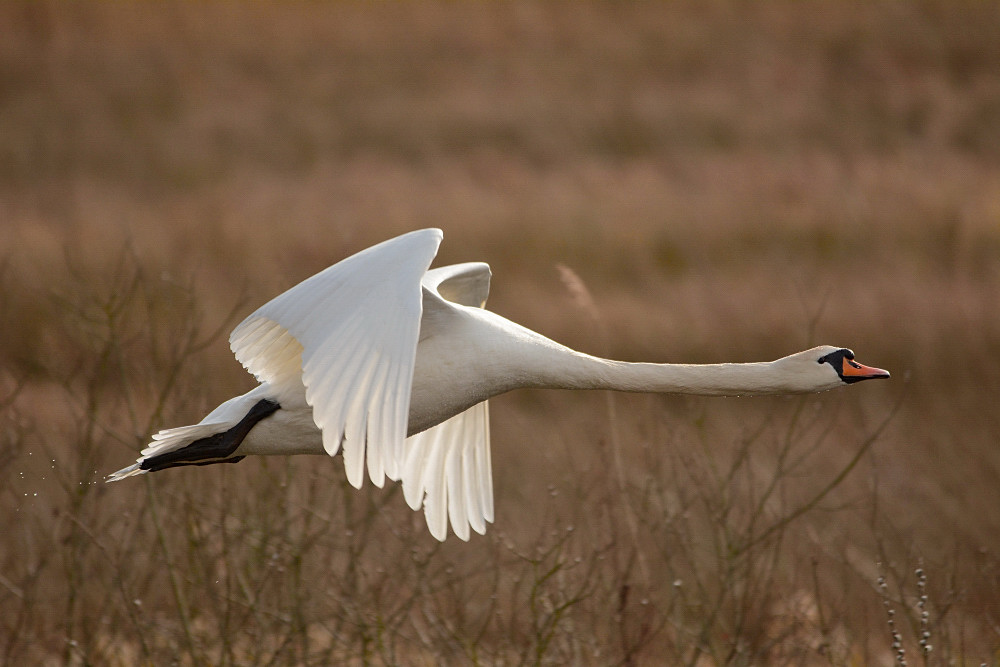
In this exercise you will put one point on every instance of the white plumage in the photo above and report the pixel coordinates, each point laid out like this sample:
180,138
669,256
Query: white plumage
391,364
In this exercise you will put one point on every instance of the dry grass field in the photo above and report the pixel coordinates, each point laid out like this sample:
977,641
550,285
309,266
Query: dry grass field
683,181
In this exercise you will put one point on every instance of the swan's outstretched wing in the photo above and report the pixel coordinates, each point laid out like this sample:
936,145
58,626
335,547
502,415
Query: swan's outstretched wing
447,467
349,335
448,470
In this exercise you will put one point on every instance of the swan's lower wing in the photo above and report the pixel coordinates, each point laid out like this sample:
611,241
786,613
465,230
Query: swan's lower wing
349,335
448,471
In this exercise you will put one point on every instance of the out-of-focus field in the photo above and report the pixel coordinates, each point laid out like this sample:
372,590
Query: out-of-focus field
718,181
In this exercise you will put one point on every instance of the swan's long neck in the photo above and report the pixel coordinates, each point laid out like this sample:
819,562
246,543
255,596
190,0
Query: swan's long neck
580,371
547,364
508,356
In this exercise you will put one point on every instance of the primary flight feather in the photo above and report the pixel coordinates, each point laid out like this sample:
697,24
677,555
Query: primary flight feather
391,364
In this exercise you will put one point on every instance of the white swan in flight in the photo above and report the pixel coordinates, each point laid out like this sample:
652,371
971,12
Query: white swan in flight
391,364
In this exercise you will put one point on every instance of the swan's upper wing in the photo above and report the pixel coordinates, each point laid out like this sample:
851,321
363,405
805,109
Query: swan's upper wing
447,467
349,335
467,284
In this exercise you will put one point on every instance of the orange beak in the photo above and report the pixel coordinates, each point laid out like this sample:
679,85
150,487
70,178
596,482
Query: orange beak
856,371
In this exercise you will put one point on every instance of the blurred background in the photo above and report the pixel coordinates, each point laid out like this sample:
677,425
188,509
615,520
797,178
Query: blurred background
675,182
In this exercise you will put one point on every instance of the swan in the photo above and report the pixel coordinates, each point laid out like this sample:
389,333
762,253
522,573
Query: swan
391,363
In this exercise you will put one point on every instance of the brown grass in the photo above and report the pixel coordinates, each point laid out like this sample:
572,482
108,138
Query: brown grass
727,181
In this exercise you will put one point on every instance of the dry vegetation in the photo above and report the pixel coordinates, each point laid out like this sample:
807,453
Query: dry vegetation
727,181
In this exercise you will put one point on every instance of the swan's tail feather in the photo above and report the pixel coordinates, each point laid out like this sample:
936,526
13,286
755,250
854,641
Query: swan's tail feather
166,441
172,439
130,471
200,444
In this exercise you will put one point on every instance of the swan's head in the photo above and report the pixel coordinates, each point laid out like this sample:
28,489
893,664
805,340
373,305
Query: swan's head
827,367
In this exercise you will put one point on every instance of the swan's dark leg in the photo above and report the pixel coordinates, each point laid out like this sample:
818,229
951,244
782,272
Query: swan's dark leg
215,448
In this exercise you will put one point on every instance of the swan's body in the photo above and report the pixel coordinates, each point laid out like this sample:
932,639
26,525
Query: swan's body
392,364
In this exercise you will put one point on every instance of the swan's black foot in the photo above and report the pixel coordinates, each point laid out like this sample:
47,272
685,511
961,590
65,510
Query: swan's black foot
216,448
